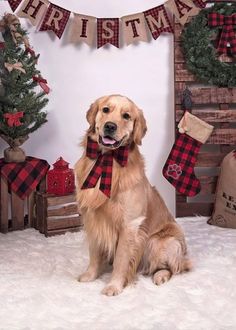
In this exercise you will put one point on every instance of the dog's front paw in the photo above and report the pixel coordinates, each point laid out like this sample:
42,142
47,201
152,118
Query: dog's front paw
87,277
112,290
161,276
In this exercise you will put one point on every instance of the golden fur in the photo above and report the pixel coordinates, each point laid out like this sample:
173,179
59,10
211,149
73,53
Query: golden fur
133,229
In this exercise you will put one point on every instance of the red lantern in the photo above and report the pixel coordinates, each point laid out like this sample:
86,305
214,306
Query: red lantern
61,179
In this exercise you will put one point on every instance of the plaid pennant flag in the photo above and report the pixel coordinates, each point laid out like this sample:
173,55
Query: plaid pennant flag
55,20
227,35
34,10
200,3
107,32
14,4
158,21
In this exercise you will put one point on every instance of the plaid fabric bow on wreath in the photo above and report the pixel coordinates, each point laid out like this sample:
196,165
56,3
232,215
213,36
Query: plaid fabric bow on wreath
228,35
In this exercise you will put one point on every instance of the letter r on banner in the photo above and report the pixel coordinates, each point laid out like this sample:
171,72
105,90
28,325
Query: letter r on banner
55,20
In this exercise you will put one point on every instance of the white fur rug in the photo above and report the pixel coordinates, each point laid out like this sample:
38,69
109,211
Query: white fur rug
38,287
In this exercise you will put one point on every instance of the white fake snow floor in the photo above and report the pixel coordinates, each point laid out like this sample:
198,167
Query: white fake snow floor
38,287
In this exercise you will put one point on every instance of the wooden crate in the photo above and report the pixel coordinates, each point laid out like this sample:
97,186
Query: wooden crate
217,106
56,214
15,217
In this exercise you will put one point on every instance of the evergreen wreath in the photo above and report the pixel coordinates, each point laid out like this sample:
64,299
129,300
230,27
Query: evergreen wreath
199,50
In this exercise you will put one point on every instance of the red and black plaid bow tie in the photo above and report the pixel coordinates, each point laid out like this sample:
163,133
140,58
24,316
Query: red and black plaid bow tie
227,34
103,166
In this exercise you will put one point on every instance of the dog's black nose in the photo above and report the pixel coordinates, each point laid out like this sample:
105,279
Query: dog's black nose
110,127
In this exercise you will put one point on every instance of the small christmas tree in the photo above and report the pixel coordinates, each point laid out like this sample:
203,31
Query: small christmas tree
20,105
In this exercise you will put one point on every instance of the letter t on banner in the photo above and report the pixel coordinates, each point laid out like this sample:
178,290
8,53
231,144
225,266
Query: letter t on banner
107,32
55,20
134,28
158,21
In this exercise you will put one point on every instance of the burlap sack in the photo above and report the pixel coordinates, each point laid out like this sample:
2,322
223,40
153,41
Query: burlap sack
224,214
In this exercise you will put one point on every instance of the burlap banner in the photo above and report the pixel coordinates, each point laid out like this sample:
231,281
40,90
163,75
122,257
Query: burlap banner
134,28
83,29
34,10
88,29
182,9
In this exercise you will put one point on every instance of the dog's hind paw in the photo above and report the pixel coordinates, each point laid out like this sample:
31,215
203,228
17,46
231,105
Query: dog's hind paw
111,290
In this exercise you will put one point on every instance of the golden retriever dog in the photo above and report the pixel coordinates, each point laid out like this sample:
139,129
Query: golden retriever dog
132,227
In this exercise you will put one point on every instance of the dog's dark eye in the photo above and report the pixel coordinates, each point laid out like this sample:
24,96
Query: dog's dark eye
105,110
126,116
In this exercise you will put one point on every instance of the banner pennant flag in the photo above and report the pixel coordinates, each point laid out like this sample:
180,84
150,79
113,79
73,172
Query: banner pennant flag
34,10
182,9
158,21
82,29
14,4
107,32
55,20
134,28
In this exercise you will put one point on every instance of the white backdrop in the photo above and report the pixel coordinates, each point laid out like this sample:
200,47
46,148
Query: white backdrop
80,74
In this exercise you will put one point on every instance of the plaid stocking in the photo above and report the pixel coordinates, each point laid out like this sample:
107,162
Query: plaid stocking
179,167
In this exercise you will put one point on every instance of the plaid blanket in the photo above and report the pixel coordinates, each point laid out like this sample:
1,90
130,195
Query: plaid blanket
24,177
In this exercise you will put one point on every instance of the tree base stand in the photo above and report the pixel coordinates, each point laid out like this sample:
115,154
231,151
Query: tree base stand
14,155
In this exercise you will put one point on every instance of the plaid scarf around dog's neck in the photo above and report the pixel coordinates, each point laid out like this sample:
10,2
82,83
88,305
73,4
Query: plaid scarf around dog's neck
103,166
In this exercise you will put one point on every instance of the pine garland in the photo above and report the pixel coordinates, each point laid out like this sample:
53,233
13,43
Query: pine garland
200,52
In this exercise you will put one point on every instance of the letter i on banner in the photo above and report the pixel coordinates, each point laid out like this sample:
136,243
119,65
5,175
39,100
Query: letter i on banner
33,10
55,20
158,21
14,4
182,9
107,32
82,29
134,28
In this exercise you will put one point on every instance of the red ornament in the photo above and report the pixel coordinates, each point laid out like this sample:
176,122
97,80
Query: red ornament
61,179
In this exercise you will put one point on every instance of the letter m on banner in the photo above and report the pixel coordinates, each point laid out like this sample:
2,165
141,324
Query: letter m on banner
55,20
158,21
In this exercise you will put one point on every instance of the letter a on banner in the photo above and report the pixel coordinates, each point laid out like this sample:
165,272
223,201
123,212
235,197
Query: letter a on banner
33,10
158,21
55,20
107,32
14,4
182,9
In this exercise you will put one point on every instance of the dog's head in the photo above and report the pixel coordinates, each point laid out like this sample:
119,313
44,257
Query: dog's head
116,121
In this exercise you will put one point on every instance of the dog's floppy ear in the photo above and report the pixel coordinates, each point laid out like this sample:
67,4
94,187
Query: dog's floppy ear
91,115
140,128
